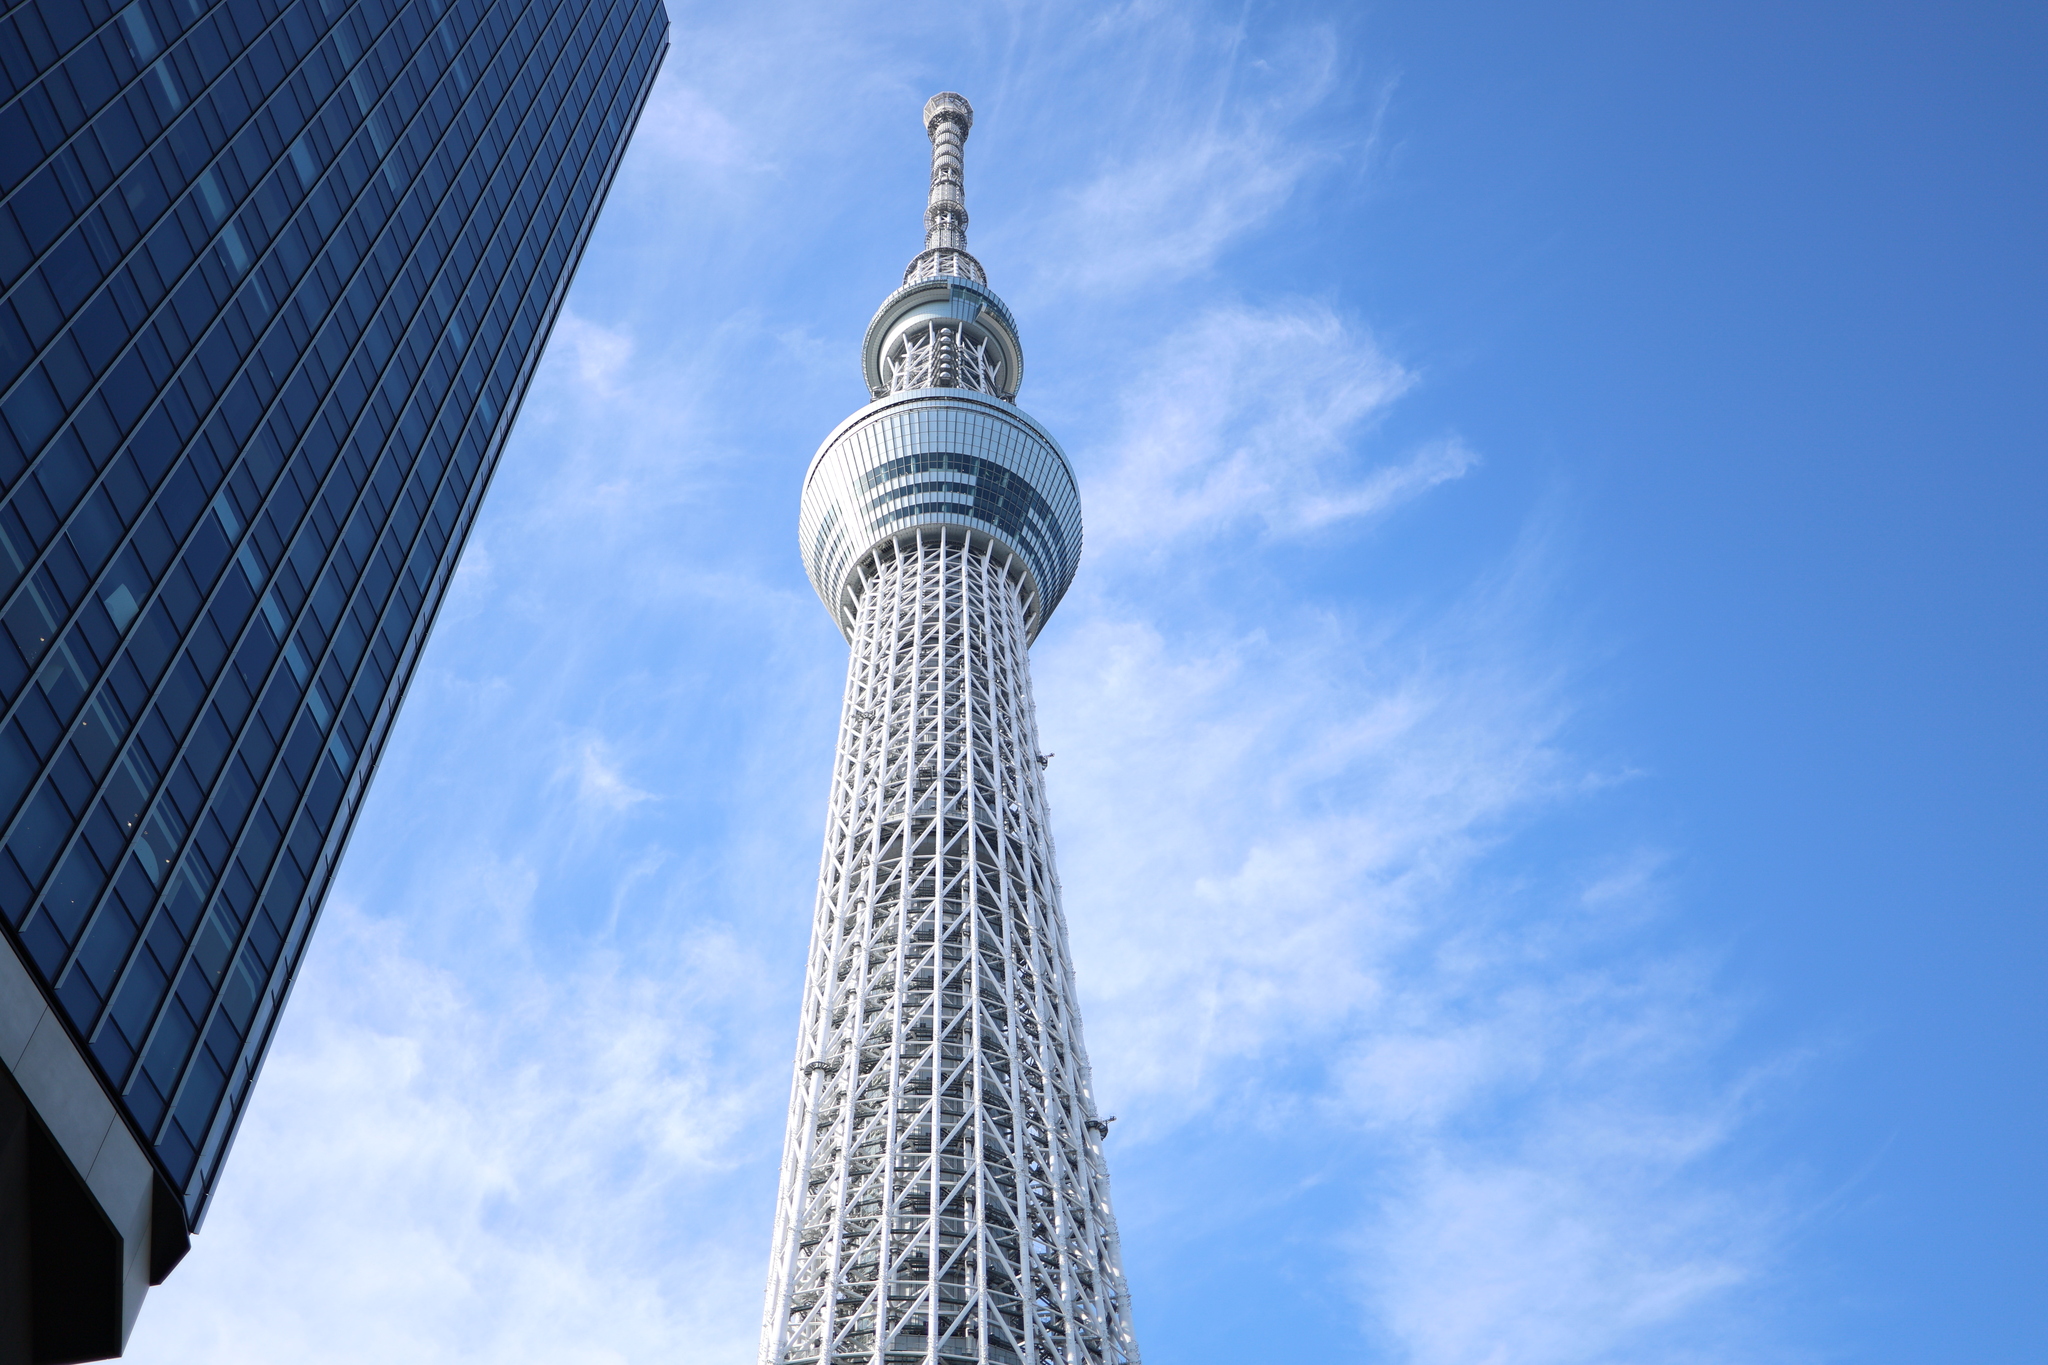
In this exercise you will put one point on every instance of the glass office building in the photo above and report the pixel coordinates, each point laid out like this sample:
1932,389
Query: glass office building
276,275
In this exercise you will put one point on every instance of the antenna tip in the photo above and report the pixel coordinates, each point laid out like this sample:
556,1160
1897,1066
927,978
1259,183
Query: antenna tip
947,106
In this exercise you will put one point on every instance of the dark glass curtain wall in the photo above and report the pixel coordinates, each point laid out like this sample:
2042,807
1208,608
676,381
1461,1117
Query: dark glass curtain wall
276,276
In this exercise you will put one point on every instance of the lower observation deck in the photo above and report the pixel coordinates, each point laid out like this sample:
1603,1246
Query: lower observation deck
940,457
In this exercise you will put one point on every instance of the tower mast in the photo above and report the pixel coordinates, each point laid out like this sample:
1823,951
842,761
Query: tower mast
943,1196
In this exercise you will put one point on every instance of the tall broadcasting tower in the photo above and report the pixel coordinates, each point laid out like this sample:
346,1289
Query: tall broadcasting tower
943,1193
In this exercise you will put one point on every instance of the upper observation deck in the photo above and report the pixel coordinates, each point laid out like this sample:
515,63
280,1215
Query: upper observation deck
943,444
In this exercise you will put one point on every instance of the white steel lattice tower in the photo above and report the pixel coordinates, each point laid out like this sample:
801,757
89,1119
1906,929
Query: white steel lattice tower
943,1192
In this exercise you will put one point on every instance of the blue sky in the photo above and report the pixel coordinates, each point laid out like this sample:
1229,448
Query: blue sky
1549,725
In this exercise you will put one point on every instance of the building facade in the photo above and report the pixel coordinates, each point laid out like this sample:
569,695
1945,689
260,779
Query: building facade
277,273
943,1193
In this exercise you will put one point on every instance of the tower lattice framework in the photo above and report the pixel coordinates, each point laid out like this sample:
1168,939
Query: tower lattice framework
943,1194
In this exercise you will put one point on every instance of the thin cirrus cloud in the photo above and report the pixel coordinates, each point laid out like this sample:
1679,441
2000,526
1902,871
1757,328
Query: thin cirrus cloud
600,784
1196,144
526,1176
1284,844
1294,847
600,353
1158,218
1256,414
1260,817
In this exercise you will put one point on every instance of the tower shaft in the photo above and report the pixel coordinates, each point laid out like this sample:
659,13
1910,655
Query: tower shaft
943,1191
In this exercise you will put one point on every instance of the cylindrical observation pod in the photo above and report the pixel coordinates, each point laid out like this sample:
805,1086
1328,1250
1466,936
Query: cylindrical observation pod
941,457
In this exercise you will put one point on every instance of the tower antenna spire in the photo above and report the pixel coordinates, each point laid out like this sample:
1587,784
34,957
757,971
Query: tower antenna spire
948,118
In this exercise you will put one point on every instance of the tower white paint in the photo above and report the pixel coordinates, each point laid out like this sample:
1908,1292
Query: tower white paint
943,1193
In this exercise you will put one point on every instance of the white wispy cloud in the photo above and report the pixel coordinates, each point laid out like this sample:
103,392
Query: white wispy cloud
683,123
1203,138
599,782
598,352
1265,815
1287,835
1167,215
1281,848
1425,467
430,1175
1255,415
